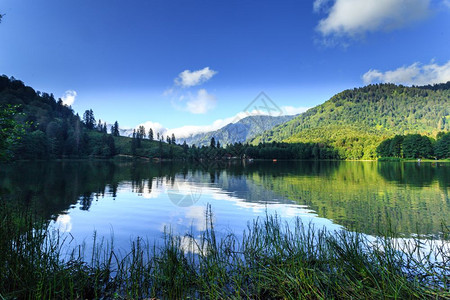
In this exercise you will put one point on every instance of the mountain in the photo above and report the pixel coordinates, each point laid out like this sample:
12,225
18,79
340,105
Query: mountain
355,121
238,132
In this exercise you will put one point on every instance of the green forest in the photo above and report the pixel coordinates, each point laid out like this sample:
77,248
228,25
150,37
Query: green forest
354,122
375,121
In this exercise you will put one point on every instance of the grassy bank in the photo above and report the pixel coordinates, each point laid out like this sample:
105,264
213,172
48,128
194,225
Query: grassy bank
270,260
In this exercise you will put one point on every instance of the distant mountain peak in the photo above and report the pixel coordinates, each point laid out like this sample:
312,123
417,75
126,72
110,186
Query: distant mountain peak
239,132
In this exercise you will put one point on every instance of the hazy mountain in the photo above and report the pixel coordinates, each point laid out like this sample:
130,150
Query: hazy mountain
241,131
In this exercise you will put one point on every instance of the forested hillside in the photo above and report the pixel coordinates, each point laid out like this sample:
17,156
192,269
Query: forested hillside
50,129
356,121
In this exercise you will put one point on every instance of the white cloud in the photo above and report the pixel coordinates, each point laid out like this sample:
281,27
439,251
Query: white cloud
201,103
291,110
320,5
356,17
155,126
69,97
416,73
189,78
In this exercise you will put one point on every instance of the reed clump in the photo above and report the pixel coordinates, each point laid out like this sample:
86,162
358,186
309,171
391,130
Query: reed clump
271,259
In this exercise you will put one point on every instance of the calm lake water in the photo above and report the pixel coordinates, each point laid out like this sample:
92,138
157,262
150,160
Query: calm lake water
143,199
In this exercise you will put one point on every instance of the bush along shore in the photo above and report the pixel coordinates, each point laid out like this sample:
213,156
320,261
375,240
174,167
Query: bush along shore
271,259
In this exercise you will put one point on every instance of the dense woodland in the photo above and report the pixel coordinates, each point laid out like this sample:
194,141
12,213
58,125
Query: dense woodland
416,146
354,124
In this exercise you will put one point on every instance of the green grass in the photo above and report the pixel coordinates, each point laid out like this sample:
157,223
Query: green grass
270,260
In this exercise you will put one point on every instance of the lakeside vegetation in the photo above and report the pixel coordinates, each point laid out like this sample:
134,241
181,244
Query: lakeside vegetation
270,260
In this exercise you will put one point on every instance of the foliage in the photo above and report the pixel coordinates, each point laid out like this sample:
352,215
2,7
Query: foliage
89,119
442,146
10,130
355,122
416,146
54,130
115,129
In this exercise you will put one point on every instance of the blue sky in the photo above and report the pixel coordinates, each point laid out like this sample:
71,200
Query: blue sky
176,63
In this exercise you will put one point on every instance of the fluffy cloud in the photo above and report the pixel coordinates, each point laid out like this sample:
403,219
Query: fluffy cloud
155,126
201,103
291,110
189,78
69,97
417,74
356,17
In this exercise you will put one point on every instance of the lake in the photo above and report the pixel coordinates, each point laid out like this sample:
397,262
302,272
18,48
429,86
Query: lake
131,199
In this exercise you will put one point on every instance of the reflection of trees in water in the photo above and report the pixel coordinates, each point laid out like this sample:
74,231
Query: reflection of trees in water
358,196
86,201
351,193
417,174
410,173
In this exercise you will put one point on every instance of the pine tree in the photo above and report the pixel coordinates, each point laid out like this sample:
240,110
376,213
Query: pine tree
88,119
150,134
173,139
133,143
116,129
213,142
141,132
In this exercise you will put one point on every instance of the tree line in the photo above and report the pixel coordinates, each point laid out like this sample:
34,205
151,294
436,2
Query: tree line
46,128
416,146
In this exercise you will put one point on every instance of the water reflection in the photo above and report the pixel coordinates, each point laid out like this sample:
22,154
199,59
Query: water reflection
142,198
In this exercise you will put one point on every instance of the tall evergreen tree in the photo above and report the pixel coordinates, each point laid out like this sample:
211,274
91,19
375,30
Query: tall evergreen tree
213,143
89,119
100,125
115,131
150,134
141,132
173,139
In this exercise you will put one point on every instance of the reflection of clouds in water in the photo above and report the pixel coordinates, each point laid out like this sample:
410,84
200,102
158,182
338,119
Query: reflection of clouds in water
197,215
63,223
193,245
193,216
153,194
183,193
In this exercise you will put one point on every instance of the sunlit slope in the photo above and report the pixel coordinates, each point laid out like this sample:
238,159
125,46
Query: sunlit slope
356,121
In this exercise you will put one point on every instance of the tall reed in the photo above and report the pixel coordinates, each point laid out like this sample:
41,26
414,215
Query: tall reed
271,259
